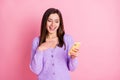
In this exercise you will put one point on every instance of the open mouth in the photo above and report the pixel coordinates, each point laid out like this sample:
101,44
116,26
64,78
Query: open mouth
52,28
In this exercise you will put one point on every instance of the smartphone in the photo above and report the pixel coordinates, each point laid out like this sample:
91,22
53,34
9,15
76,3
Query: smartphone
75,45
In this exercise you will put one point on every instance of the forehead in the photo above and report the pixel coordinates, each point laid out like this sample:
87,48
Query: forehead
54,16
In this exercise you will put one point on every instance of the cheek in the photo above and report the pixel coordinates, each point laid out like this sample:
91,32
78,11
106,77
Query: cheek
48,24
57,24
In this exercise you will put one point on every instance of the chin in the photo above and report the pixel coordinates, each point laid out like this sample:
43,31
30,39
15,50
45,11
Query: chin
51,32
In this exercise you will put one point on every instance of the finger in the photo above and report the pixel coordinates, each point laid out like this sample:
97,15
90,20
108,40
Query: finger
74,54
75,50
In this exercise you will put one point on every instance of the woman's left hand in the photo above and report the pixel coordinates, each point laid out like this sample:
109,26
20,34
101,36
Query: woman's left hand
74,53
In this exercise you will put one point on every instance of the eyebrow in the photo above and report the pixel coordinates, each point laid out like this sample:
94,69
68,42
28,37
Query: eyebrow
52,19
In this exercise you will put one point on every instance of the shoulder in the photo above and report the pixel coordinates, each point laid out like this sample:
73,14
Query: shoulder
67,37
36,41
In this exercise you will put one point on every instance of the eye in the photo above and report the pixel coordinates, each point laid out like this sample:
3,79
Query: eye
57,21
49,20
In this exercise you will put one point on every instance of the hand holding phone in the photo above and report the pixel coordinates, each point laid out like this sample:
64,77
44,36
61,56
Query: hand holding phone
74,49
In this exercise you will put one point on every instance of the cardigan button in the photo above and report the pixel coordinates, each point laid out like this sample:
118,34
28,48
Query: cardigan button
53,73
53,64
52,56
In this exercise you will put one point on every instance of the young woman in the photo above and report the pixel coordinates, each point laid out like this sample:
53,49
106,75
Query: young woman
50,59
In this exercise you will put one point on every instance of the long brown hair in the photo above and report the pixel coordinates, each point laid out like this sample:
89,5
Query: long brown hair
44,32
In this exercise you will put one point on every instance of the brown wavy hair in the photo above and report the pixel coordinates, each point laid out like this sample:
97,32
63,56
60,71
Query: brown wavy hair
44,32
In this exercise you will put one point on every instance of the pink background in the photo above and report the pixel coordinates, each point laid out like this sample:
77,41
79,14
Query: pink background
95,23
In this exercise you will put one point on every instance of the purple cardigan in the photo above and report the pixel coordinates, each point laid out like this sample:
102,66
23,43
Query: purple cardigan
53,63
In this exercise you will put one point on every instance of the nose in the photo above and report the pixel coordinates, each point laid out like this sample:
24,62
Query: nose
53,23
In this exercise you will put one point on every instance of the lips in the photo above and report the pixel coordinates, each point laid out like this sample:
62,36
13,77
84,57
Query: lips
52,28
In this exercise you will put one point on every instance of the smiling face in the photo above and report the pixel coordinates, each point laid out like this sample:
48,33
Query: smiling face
53,23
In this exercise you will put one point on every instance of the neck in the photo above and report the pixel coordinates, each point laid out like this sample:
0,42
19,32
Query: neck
51,36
